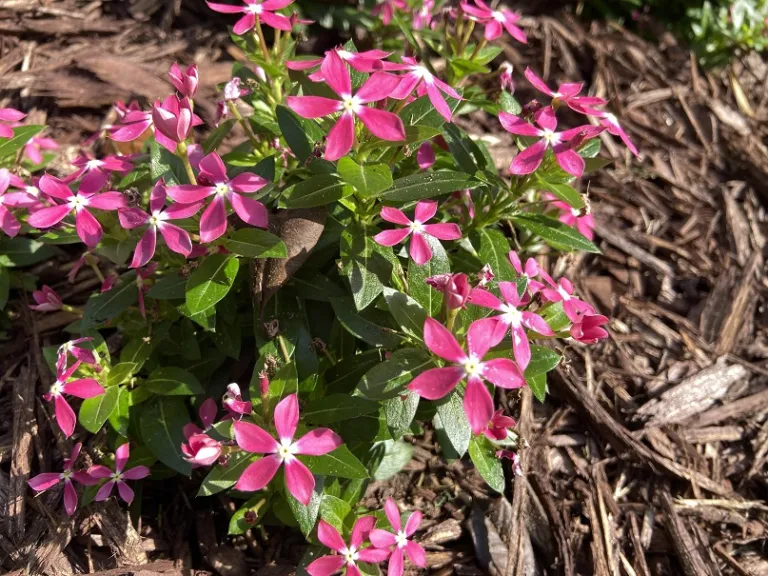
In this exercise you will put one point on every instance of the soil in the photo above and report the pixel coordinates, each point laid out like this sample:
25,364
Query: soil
649,456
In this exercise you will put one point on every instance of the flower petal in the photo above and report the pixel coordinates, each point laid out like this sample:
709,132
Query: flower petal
326,565
244,24
480,297
373,555
378,86
213,223
413,522
383,124
395,216
336,74
213,168
88,228
65,416
258,474
436,382
516,125
382,538
416,554
391,237
330,537
299,481
441,342
396,563
44,481
318,442
250,211
361,530
393,514
70,498
247,182
47,217
420,250
83,388
104,491
443,231
478,405
313,106
287,417
438,101
145,249
177,239
570,161
54,187
254,439
529,159
425,210
136,473
132,218
341,137
125,491
503,373
189,193
8,222
98,472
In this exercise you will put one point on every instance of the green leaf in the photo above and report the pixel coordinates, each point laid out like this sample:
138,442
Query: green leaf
5,286
121,372
218,135
400,412
221,478
493,249
427,185
555,233
23,251
467,154
211,281
395,456
298,133
423,293
422,112
408,313
316,191
306,516
162,422
119,419
337,407
509,104
563,192
590,149
108,305
361,327
367,179
453,422
344,375
538,385
543,360
464,68
60,237
173,381
340,463
365,266
237,523
555,316
170,287
334,510
255,243
137,351
21,135
389,378
95,411
166,165
483,455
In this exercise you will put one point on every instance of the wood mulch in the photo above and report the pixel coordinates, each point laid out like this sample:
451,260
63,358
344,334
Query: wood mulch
649,456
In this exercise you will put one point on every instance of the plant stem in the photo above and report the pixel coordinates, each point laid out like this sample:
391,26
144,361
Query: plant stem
181,149
480,45
244,123
72,309
92,263
262,41
451,318
283,349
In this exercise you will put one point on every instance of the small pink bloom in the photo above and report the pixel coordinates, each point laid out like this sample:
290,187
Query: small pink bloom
562,291
141,276
386,10
108,284
422,18
298,478
530,159
498,426
47,480
47,300
438,382
455,288
234,404
9,115
419,250
214,182
119,476
347,556
185,81
95,173
83,388
417,76
485,276
80,354
425,157
233,91
368,61
88,228
530,271
173,118
495,20
505,78
584,223
176,238
263,385
400,539
589,330
201,450
33,149
512,319
568,93
264,11
612,126
509,455
383,124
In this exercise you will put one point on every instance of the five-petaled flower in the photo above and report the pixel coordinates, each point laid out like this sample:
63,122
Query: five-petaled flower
530,159
573,217
420,79
495,20
367,61
80,353
512,319
568,93
95,172
589,329
176,238
34,147
529,272
200,449
234,404
455,288
347,555
213,181
119,476
48,480
253,9
46,300
386,10
400,539
436,383
88,228
81,388
498,426
383,124
420,250
298,479
562,291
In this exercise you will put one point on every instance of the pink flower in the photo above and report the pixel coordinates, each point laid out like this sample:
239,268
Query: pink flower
589,330
485,276
381,123
425,157
82,388
512,319
185,81
584,223
108,284
174,119
119,476
612,126
9,115
48,480
141,284
568,93
47,300
253,9
207,414
529,159
530,271
497,428
562,291
494,20
455,288
420,250
298,478
95,173
234,404
436,383
34,147
348,555
386,10
505,78
509,455
201,450
422,18
400,540
88,228
134,122
8,222
177,239
368,61
417,77
233,91
81,354
215,182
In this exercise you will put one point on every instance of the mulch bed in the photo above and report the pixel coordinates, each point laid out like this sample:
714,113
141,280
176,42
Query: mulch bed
649,457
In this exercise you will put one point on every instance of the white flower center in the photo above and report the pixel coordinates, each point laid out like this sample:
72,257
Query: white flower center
117,476
563,294
78,203
416,227
66,475
255,8
56,388
550,137
351,103
401,539
575,212
350,555
32,191
345,54
611,118
92,164
222,189
498,16
423,73
512,315
153,220
472,367
286,450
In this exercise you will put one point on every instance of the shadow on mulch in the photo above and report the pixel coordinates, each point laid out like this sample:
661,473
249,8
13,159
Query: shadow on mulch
649,456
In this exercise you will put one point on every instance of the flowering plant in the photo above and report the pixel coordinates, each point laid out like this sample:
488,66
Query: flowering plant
278,338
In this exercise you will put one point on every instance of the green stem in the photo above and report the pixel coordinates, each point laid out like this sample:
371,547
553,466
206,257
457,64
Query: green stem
283,349
468,37
244,123
262,41
182,152
72,309
480,45
451,318
92,263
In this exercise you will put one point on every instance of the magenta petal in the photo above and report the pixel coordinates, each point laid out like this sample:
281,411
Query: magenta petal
318,442
492,30
441,342
88,228
177,239
413,522
478,405
254,439
213,168
326,565
299,481
529,159
378,86
438,101
54,187
287,417
341,137
258,474
313,106
84,478
277,21
416,554
44,481
247,182
98,472
145,249
425,210
189,193
382,538
353,570
443,231
361,529
244,24
383,124
537,82
481,297
213,223
70,498
65,416
407,85
122,454
136,473
425,156
546,118
104,491
436,382
395,216
518,126
225,8
125,491
396,563
180,211
329,536
84,388
47,217
537,323
129,132
571,162
336,74
8,222
132,218
521,347
420,250
373,555
250,211
393,513
391,237
93,181
503,373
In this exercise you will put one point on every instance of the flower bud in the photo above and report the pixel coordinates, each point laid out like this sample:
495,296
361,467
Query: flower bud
173,118
185,82
234,404
263,384
47,300
505,78
201,450
455,288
